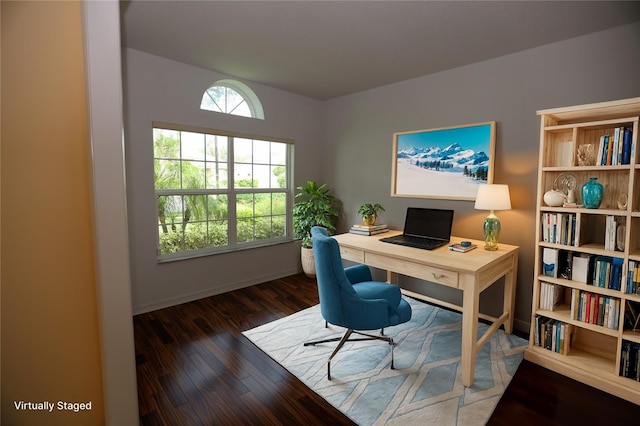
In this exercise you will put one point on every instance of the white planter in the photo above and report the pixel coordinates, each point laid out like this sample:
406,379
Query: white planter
308,262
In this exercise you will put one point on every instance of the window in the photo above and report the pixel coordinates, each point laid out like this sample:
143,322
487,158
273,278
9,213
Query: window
219,191
232,97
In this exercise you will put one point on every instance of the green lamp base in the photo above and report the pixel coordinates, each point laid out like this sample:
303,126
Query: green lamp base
491,232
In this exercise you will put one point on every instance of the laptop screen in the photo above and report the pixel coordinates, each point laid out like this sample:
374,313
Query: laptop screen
432,223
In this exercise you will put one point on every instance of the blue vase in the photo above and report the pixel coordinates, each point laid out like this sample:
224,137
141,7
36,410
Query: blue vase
592,193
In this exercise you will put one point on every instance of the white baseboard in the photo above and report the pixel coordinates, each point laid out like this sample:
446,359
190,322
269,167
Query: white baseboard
137,310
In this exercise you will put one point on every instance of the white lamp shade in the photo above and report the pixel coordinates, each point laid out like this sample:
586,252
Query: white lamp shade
493,197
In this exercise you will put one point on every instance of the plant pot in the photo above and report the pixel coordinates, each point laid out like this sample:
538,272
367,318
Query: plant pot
369,220
308,262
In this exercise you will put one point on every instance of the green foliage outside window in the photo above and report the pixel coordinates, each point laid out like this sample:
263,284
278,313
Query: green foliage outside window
193,161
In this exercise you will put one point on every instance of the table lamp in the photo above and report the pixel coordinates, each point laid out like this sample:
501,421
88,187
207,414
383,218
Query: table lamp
492,197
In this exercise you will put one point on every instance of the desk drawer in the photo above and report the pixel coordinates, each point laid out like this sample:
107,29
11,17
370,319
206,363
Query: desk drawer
352,254
424,272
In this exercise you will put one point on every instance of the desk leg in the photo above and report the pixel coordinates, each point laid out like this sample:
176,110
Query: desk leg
510,294
392,277
470,309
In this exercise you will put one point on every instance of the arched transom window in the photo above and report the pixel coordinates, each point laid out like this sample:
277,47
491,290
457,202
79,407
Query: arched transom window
232,97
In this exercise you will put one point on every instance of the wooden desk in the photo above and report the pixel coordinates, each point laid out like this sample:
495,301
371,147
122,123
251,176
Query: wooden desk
471,272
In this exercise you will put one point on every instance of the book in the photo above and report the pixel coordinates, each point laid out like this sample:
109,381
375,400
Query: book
626,146
600,151
575,304
366,232
550,262
460,248
609,144
633,277
554,335
613,225
616,158
370,227
582,268
552,296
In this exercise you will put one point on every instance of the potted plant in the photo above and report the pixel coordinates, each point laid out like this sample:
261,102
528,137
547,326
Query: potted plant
370,212
314,205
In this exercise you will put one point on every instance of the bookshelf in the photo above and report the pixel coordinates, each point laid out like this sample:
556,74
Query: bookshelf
586,298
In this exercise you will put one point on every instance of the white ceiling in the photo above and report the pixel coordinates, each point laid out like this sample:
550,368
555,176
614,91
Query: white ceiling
326,49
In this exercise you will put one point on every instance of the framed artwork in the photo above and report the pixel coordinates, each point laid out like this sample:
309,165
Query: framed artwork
446,163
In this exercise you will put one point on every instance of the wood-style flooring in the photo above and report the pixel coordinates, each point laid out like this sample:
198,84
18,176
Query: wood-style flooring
194,367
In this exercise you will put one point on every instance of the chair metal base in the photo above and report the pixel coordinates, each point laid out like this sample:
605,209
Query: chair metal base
345,338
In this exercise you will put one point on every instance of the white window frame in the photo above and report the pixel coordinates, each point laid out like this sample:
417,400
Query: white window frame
250,98
231,193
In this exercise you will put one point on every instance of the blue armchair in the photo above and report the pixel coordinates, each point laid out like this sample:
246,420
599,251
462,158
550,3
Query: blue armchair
349,297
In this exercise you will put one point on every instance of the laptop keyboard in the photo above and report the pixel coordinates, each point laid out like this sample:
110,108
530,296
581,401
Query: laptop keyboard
416,242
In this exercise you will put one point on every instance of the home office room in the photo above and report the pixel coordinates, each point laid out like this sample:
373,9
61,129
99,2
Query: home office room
234,114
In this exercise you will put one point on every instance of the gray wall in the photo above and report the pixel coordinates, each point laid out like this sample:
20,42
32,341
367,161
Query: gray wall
358,130
347,143
157,89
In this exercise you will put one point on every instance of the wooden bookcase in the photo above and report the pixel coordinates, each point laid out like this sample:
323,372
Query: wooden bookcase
596,346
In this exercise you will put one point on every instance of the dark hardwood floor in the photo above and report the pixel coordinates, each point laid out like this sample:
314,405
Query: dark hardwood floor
194,367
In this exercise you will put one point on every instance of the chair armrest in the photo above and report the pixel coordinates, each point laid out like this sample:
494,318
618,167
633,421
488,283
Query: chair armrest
366,314
358,273
379,290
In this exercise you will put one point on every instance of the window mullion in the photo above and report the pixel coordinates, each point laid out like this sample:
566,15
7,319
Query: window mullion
236,107
231,207
214,101
181,192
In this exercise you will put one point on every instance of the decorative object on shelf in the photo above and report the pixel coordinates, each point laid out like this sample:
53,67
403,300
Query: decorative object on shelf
622,201
566,183
620,237
592,193
586,155
369,213
554,198
492,197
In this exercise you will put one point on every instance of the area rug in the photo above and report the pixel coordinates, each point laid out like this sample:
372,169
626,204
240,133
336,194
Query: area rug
426,386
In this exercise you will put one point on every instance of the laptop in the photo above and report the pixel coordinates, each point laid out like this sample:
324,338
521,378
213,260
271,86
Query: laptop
424,228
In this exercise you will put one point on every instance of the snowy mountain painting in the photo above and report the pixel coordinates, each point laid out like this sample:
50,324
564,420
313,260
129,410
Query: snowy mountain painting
443,163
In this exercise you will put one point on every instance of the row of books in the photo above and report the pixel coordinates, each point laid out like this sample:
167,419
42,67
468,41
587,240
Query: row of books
599,271
560,228
630,360
633,278
615,149
554,335
608,272
368,229
551,296
594,308
613,226
569,265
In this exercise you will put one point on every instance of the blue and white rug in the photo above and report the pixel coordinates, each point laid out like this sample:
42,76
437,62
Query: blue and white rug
426,386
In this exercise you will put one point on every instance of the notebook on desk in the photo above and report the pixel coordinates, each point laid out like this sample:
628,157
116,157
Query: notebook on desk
424,228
